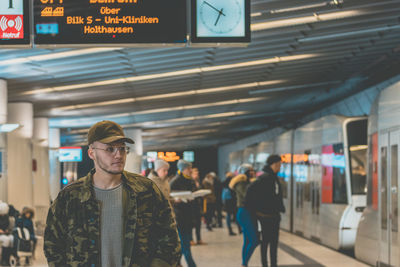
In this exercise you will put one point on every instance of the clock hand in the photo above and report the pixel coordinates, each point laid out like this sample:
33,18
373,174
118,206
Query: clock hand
219,11
219,15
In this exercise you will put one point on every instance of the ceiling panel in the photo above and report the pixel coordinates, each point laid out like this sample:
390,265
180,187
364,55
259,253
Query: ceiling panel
353,44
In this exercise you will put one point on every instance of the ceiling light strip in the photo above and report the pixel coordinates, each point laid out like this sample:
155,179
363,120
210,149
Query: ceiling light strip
278,89
304,20
170,74
347,34
59,55
164,96
86,122
297,8
188,107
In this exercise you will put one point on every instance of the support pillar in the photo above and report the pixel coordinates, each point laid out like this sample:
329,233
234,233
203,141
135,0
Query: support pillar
19,155
3,142
134,158
55,168
40,168
3,101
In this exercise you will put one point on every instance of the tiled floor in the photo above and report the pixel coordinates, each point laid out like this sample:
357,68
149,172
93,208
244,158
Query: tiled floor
225,251
222,250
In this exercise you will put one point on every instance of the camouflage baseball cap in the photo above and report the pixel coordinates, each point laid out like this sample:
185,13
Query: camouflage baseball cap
107,132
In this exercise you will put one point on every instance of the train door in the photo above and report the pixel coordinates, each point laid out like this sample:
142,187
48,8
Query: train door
389,171
394,199
315,174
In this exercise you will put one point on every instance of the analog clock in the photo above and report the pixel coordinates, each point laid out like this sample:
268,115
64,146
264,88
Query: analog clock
220,18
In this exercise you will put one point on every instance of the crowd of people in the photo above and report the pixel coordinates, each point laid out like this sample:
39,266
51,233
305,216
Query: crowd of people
190,214
245,198
12,221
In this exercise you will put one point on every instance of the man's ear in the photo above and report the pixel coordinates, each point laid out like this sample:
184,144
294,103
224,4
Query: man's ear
91,153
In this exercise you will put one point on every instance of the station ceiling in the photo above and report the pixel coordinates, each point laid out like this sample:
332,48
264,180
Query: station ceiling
303,56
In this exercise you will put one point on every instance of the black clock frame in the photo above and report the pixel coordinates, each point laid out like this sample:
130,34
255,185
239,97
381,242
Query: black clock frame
196,39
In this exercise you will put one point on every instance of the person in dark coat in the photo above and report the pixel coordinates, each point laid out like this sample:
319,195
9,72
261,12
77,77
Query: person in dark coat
184,209
7,223
25,221
197,208
264,200
211,199
218,198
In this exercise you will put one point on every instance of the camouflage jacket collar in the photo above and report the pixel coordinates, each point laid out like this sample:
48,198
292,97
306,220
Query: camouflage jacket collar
127,180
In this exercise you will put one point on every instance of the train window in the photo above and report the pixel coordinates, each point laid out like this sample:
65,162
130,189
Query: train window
372,179
307,192
357,140
299,196
284,175
394,191
284,185
357,133
339,186
338,175
312,197
333,178
358,159
383,188
317,198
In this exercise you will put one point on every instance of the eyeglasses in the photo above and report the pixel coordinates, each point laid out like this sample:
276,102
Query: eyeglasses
112,150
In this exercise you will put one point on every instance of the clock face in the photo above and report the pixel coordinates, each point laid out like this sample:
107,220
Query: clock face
220,18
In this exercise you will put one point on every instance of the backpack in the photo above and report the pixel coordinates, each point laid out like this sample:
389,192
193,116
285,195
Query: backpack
226,194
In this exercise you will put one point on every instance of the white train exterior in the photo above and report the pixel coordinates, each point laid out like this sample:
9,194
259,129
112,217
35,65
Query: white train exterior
323,176
378,238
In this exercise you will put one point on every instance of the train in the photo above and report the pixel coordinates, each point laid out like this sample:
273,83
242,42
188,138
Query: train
323,176
377,240
340,179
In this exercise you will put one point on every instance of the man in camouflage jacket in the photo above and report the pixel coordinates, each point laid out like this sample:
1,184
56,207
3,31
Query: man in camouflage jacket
73,231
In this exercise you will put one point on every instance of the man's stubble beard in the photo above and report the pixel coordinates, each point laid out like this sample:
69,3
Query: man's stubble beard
111,172
100,165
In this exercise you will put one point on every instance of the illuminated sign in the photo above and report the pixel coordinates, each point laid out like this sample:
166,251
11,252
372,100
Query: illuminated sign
14,22
70,154
262,157
284,172
188,156
151,156
168,156
286,158
109,21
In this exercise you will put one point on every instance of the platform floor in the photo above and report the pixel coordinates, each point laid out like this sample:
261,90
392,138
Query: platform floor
223,250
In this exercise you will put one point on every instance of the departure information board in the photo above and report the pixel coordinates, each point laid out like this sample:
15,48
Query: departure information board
14,22
80,22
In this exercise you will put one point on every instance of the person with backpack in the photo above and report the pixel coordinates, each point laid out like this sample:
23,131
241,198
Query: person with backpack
264,200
